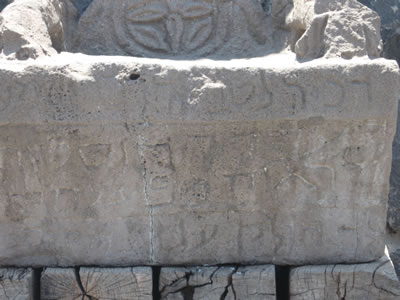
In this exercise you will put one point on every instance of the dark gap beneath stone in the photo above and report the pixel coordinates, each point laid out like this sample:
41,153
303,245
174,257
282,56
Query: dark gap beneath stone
36,274
282,282
156,282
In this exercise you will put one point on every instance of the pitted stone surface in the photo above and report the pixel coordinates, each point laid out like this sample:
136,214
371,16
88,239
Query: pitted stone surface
97,283
239,162
253,283
375,281
15,284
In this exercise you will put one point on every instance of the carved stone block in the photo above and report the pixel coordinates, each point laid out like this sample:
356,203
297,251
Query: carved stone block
253,283
376,280
135,160
15,284
97,283
249,164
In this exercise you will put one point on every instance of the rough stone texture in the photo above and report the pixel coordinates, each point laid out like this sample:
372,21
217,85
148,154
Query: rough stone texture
241,161
374,281
97,283
253,283
31,28
325,28
15,284
389,11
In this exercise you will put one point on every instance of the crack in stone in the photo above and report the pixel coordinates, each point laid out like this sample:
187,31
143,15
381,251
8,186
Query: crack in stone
229,285
345,291
146,184
188,290
80,285
338,293
146,196
4,289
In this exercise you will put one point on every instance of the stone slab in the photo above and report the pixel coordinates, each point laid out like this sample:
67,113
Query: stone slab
97,283
127,161
375,281
15,284
252,283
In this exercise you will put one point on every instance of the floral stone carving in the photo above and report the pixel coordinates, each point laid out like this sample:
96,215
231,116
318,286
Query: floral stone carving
173,27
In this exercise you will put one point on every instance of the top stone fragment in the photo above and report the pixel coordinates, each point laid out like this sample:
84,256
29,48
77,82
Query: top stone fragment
325,28
190,29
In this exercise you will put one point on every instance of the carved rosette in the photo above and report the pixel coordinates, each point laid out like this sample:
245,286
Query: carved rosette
170,26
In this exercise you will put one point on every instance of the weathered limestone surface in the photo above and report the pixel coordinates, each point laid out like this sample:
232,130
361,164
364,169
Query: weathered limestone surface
122,161
31,28
15,284
253,283
375,281
97,283
245,163
389,12
325,28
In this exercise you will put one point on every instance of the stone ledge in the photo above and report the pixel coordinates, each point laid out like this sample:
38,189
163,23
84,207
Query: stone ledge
76,88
